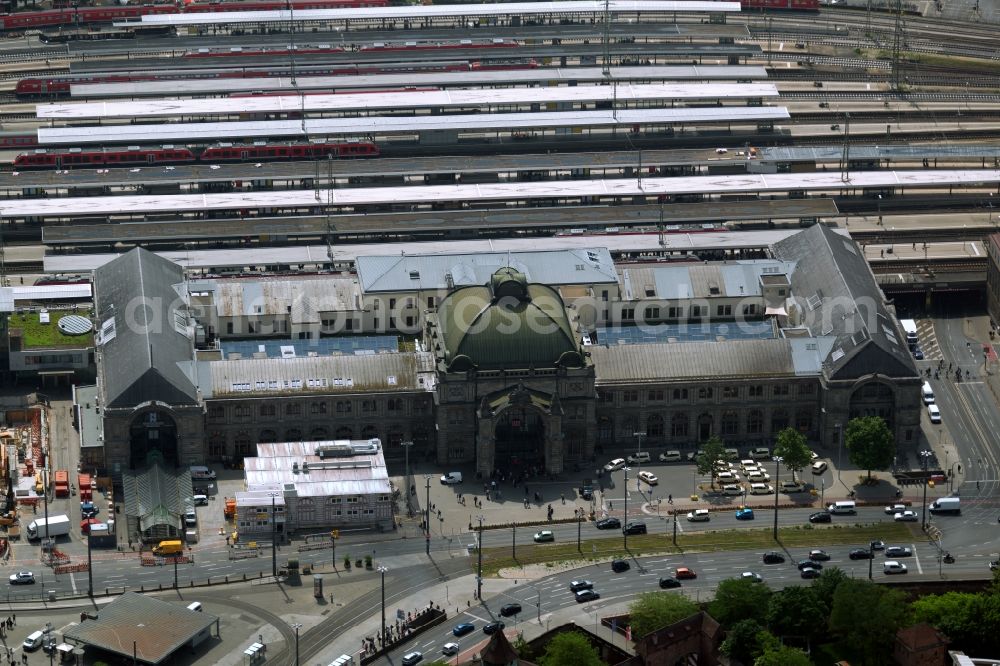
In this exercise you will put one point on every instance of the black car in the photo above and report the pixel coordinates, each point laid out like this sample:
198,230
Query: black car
820,517
608,524
492,628
634,528
577,585
810,573
809,564
819,555
619,566
586,595
507,610
774,557
668,582
861,554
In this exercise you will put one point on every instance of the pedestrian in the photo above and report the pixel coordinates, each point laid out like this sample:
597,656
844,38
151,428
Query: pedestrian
670,499
611,505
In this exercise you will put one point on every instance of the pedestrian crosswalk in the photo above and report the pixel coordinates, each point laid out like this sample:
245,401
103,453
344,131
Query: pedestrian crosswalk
928,340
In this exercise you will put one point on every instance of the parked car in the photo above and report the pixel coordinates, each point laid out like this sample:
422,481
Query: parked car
906,517
463,629
820,517
608,523
22,578
760,453
758,476
761,489
509,610
819,467
861,554
451,478
878,545
934,412
773,557
614,465
586,595
544,536
744,513
669,456
634,527
669,582
492,627
638,457
577,585
618,566
893,567
684,573
898,551
728,477
818,555
732,490
792,487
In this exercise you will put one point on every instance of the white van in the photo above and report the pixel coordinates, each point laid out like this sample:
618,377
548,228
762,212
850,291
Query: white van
761,489
928,393
33,641
843,508
194,606
699,516
670,456
934,413
639,457
202,472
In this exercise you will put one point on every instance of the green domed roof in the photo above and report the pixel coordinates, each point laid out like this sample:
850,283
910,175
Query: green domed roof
505,325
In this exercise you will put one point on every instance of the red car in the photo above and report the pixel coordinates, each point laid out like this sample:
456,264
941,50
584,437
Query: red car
683,573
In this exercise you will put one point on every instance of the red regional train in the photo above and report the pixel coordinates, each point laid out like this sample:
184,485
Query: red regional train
88,15
133,156
59,87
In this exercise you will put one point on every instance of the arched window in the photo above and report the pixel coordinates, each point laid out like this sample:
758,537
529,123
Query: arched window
267,437
779,420
654,425
318,434
369,432
293,435
344,432
755,422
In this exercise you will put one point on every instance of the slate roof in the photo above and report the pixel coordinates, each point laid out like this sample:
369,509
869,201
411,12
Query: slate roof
157,627
144,334
708,360
508,324
837,296
446,271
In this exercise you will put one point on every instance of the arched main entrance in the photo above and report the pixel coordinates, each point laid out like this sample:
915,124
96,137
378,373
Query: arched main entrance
153,437
704,427
519,437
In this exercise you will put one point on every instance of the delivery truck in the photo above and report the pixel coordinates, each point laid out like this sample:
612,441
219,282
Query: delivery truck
168,548
57,526
947,505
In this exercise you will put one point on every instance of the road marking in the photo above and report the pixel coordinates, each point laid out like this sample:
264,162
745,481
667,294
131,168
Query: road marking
916,557
72,580
476,617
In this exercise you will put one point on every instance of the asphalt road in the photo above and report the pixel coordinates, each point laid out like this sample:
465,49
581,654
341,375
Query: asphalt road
553,592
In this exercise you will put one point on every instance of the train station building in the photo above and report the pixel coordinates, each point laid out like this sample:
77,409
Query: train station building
529,358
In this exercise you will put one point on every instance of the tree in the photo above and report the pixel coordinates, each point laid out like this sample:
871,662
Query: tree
957,614
867,617
797,611
870,443
711,451
783,656
738,599
655,610
826,585
570,649
791,447
745,641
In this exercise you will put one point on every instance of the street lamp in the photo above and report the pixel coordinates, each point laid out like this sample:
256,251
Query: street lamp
638,462
406,479
382,569
274,536
777,481
427,516
840,450
625,517
298,626
924,459
479,573
822,492
871,557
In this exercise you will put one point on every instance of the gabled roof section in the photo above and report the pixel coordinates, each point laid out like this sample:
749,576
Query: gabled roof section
836,295
143,331
447,271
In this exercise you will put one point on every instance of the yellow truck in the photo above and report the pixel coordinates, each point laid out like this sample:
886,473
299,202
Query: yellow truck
165,548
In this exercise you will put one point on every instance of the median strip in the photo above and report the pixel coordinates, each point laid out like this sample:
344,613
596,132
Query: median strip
497,558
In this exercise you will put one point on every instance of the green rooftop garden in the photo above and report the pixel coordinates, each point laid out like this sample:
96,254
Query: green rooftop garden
36,335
